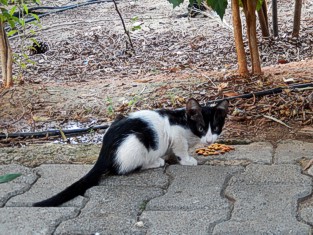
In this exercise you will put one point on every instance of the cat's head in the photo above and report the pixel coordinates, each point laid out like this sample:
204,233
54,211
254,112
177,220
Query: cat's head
206,122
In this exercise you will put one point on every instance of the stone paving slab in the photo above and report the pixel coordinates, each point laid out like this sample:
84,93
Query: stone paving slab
258,152
193,203
53,179
145,178
259,199
266,198
306,214
194,188
110,210
18,185
27,220
182,222
291,151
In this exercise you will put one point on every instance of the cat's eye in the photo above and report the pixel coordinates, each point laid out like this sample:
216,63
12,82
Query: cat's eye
200,129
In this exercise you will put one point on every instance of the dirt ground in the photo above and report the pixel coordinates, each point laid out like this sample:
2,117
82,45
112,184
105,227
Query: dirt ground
88,75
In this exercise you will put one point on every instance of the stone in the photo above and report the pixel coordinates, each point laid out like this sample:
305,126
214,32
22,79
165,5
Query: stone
193,203
265,201
110,210
53,179
292,151
144,178
33,220
17,186
194,187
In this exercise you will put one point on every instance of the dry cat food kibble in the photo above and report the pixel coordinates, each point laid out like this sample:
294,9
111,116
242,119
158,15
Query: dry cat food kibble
214,149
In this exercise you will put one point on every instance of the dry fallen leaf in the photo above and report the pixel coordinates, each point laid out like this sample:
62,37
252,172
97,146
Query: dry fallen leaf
230,93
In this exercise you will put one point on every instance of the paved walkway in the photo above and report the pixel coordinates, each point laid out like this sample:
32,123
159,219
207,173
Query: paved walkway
256,189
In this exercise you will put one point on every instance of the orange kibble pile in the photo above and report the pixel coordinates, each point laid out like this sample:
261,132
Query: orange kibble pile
214,149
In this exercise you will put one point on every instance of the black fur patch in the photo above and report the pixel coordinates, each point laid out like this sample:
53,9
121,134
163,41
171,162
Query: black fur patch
175,117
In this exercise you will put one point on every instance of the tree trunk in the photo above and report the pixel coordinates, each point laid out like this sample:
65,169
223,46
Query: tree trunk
6,58
249,10
241,55
274,18
263,19
297,18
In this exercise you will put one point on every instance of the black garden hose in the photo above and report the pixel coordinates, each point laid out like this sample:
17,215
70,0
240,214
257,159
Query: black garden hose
50,133
86,130
56,10
263,93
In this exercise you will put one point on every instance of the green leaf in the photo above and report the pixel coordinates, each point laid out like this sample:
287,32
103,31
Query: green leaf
191,2
4,2
11,12
22,22
176,2
35,41
25,8
134,19
12,32
8,177
219,6
259,4
35,16
137,27
240,3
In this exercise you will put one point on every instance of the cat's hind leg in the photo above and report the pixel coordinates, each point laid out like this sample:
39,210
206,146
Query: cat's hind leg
155,164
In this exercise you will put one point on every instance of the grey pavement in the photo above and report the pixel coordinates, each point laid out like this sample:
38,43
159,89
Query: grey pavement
256,189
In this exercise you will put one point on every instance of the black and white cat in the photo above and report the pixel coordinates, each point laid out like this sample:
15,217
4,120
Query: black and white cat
140,140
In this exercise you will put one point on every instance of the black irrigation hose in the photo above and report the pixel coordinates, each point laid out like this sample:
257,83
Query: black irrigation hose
59,9
50,133
263,93
86,130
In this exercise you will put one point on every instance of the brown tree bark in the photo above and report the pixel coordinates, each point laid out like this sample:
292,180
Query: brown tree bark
6,58
297,18
249,7
263,19
275,18
241,55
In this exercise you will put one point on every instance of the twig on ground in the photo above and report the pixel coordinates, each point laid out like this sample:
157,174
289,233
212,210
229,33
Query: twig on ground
276,120
123,23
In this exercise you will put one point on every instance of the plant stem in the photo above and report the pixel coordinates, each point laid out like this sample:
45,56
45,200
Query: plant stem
126,31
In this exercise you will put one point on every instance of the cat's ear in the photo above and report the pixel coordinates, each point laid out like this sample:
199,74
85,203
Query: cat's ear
221,109
194,111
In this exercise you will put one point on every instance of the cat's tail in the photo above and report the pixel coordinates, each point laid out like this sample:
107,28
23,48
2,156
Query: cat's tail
78,188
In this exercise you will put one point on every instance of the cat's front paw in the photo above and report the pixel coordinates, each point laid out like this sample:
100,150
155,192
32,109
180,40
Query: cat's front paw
188,161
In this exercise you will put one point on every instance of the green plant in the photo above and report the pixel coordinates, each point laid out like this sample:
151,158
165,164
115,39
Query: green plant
136,25
13,13
134,101
110,108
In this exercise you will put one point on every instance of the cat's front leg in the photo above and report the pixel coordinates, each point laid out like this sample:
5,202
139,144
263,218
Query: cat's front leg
187,160
180,149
